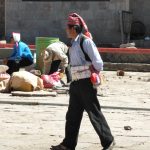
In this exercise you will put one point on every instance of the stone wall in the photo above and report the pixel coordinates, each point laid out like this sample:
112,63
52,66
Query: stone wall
2,19
34,19
141,9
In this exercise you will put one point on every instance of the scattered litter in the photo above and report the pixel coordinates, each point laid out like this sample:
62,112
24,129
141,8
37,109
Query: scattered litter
120,73
127,127
101,95
128,45
145,79
61,90
36,72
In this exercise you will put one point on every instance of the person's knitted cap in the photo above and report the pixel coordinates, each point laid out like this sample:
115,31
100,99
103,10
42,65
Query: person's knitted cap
75,19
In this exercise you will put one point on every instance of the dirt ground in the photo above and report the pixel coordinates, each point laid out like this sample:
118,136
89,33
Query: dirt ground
125,101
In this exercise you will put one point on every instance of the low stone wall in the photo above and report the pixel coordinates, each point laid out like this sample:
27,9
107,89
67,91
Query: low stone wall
137,67
126,58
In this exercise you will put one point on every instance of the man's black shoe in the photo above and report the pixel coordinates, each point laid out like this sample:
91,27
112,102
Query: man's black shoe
59,147
110,146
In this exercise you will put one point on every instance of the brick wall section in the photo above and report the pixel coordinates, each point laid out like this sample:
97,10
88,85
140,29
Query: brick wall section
34,19
2,18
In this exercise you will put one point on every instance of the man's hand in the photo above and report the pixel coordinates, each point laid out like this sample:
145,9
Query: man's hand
46,55
62,70
93,69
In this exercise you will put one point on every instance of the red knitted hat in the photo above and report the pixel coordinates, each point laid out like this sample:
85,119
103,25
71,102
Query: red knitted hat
75,19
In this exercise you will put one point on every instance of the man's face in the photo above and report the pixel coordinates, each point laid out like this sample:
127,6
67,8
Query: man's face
70,32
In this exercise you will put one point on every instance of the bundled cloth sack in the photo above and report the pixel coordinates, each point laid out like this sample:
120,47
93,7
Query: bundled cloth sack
52,80
4,78
25,81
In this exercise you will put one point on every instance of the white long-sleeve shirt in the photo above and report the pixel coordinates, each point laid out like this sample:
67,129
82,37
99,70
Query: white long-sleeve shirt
77,57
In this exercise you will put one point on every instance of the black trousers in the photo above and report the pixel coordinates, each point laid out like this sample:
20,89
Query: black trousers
84,97
55,66
15,66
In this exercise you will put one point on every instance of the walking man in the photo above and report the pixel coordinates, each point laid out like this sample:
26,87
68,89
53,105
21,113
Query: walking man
83,96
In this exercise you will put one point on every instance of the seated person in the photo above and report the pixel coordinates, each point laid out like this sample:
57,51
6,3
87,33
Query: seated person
21,55
55,58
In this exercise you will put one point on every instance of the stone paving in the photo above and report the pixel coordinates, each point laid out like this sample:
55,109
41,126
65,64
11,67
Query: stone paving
125,101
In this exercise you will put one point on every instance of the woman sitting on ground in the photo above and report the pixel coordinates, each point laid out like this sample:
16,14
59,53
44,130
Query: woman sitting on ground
21,55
